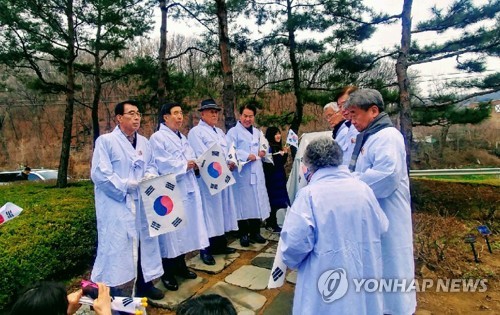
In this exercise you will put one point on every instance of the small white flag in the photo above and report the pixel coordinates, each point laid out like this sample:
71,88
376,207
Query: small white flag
292,139
9,211
264,146
163,204
214,170
233,157
136,305
278,272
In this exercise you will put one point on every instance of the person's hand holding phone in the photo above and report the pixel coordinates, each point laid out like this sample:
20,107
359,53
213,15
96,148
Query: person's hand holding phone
102,305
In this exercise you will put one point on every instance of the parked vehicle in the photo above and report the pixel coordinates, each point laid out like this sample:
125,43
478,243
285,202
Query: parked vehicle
34,175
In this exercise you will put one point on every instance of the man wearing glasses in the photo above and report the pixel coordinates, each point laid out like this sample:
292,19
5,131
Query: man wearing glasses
125,251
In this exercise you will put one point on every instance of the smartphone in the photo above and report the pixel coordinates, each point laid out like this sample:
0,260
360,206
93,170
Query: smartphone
90,289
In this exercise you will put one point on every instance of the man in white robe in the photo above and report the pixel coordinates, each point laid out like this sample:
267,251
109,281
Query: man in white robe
124,250
379,159
218,217
332,236
173,155
346,136
252,202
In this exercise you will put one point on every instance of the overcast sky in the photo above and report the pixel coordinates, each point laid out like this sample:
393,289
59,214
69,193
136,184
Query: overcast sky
388,36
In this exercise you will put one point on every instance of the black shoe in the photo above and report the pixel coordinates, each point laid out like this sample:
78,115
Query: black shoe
170,282
207,258
151,293
224,251
244,241
187,274
257,238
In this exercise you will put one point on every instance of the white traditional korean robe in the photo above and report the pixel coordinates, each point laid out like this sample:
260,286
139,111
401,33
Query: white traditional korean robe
119,229
346,138
220,217
171,155
334,223
382,165
250,191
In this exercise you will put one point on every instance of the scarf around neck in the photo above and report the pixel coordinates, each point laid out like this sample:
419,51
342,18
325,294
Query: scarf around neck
380,122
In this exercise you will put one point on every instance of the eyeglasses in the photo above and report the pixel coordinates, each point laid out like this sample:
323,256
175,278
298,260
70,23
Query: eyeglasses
133,114
330,116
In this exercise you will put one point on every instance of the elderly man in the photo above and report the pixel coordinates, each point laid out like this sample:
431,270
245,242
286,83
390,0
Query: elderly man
124,249
333,115
379,159
332,235
252,202
219,218
174,155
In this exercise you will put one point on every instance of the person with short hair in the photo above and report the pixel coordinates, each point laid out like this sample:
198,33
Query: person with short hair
331,234
332,113
207,304
252,201
174,155
125,251
24,174
346,135
219,217
50,298
379,159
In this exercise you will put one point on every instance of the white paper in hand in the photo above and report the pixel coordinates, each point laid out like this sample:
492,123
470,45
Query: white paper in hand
9,211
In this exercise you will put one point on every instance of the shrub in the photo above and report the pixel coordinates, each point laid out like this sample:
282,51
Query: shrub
54,238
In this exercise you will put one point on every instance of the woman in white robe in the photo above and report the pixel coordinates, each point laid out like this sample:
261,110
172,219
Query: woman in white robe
332,236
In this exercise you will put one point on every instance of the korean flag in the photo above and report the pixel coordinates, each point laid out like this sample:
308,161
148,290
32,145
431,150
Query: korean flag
214,170
163,204
9,211
292,139
264,146
278,272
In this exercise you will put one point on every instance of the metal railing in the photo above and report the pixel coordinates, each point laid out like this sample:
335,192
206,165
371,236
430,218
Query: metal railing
455,172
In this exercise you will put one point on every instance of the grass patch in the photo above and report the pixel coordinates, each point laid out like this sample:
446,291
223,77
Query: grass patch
53,238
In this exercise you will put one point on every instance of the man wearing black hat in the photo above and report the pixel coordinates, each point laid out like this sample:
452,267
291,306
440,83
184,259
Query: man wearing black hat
218,209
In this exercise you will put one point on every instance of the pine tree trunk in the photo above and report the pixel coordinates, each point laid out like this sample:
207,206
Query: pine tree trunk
404,81
162,53
62,177
299,105
228,93
97,87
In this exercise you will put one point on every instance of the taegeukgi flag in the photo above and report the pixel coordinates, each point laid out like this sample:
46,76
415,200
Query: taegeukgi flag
9,211
214,170
163,204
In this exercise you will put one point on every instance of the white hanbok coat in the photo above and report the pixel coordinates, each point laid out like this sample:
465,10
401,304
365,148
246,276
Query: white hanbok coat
250,188
171,155
335,222
382,165
346,138
219,209
119,229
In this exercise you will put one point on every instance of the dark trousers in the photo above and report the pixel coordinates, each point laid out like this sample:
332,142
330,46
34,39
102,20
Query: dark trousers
217,243
173,266
249,227
272,221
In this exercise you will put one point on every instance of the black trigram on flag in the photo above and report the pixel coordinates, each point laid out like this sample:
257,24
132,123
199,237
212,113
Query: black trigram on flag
170,186
9,214
214,186
230,156
203,163
127,301
155,225
149,190
215,153
177,221
264,146
228,178
277,273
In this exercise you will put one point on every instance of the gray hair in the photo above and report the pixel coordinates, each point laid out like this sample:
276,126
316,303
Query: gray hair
332,105
322,152
364,99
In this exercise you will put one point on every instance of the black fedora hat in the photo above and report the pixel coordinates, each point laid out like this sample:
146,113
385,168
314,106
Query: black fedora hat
208,104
